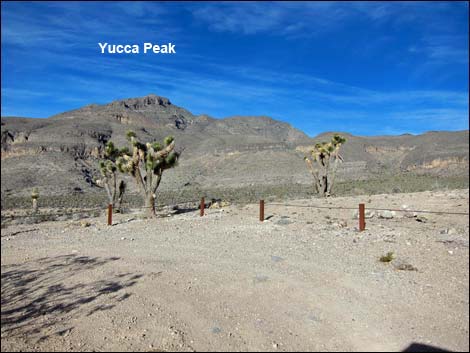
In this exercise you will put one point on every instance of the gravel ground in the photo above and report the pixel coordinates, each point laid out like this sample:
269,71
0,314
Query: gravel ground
303,280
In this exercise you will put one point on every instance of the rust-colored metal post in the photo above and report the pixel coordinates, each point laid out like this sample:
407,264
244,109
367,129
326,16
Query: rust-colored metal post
362,218
110,214
201,207
261,210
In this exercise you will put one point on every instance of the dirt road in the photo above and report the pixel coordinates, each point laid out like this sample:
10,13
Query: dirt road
304,279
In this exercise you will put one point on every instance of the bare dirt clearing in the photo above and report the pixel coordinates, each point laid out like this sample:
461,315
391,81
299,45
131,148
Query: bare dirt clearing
305,279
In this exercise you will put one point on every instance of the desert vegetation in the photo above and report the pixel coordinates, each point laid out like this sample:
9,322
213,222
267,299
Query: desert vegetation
323,162
146,164
114,186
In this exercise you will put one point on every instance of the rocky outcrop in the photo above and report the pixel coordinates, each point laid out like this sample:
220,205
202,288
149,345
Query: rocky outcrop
122,118
141,103
13,137
440,163
80,151
381,150
180,122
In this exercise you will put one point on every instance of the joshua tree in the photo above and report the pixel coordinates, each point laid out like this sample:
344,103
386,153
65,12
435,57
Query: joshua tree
114,188
146,164
323,163
34,198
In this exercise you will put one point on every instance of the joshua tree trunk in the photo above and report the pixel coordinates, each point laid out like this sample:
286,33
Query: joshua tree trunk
108,192
333,174
324,186
34,198
115,193
120,195
150,205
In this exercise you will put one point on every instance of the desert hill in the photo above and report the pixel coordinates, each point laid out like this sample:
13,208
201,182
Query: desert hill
59,154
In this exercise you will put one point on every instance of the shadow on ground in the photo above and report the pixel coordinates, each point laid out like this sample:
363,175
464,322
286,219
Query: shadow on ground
38,295
419,347
182,210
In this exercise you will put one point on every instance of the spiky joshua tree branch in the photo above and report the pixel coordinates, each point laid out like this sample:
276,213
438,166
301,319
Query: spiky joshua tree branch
146,163
323,161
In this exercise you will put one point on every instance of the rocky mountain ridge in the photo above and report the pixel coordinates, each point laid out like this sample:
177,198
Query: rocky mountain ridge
60,153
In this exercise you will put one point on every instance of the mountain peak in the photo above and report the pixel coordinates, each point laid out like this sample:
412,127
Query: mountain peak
140,103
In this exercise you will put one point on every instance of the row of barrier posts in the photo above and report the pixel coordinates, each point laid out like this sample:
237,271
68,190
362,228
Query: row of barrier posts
362,208
362,222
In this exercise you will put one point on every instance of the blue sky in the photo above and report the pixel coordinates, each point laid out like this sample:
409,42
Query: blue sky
368,68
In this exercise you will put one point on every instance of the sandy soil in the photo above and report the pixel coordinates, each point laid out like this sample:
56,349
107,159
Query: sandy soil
304,279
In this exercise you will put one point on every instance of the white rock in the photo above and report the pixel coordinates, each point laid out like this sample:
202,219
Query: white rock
386,214
367,214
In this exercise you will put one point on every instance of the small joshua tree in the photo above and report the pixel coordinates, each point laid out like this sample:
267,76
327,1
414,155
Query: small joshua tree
34,198
323,162
114,188
146,164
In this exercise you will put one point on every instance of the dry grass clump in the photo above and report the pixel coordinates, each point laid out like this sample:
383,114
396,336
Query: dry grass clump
387,258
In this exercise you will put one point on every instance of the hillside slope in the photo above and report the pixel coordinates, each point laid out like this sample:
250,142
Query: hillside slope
59,154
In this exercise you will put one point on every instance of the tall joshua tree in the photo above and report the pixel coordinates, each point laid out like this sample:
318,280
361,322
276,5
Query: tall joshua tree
146,163
114,188
323,163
